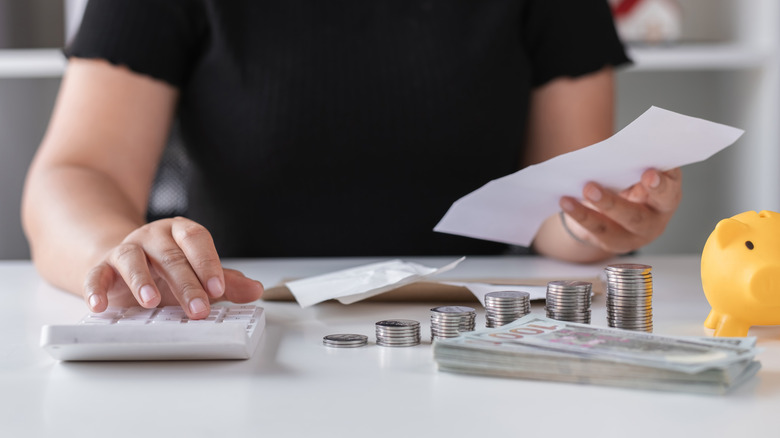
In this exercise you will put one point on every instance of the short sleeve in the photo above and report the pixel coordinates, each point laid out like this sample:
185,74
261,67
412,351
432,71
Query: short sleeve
159,38
570,38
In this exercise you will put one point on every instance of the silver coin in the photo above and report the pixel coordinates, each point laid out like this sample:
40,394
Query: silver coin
390,323
629,314
401,335
507,295
637,329
637,324
639,299
500,306
507,303
628,274
630,323
569,284
397,330
628,267
624,319
514,313
630,306
629,283
328,344
629,289
629,311
582,305
345,340
571,312
454,310
405,337
398,338
440,317
399,344
630,302
391,329
568,295
583,300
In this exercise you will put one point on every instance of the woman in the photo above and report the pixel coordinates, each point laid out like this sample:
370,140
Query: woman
317,129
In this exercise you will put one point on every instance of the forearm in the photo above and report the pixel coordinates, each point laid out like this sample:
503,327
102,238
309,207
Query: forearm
72,215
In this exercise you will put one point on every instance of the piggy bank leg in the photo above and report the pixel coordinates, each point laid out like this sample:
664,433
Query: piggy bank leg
713,319
730,327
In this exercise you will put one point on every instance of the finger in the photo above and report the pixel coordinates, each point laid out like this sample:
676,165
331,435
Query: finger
635,218
96,286
172,265
241,289
664,189
600,230
637,193
130,262
197,244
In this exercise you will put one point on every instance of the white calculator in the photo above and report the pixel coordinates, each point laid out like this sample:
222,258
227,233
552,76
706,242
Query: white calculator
163,333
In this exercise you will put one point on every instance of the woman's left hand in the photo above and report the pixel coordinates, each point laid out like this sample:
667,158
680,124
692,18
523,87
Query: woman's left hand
625,221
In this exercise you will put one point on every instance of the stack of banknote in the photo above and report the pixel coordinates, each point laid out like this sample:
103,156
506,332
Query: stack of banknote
539,348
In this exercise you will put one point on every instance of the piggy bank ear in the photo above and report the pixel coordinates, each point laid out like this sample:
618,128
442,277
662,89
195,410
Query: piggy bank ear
728,231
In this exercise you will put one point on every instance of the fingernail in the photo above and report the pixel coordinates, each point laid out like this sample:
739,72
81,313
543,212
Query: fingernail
215,287
655,181
147,294
593,194
198,306
94,301
567,205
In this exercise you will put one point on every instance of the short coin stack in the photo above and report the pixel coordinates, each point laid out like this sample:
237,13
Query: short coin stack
630,296
569,300
398,333
346,340
451,321
503,307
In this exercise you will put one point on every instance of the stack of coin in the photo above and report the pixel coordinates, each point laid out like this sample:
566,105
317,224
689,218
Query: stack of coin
569,300
345,340
503,307
630,296
397,333
451,321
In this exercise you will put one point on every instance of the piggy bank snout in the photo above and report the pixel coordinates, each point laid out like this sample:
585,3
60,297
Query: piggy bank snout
764,285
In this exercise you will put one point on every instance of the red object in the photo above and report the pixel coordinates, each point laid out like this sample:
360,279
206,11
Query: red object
624,7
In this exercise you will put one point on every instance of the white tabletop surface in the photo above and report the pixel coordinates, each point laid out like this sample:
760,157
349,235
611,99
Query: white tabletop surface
296,387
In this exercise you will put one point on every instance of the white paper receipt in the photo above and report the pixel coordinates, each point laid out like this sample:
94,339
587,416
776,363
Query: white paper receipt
511,209
355,284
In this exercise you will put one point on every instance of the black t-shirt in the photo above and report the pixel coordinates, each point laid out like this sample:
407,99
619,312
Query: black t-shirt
348,127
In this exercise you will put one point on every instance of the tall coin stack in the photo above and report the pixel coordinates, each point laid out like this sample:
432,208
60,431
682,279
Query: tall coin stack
397,333
630,296
503,307
569,300
451,321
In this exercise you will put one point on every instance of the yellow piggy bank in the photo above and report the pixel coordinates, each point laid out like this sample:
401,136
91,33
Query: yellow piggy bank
740,273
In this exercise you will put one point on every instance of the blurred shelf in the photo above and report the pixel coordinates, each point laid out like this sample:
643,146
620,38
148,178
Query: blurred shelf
681,57
31,63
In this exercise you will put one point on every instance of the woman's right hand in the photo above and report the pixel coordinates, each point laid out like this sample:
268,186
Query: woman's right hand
166,262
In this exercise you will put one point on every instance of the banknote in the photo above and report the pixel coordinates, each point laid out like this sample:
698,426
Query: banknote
536,347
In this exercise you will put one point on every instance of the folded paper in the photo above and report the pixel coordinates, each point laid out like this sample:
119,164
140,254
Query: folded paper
511,209
355,284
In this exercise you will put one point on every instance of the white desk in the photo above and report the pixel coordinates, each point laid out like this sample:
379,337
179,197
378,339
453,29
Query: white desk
295,387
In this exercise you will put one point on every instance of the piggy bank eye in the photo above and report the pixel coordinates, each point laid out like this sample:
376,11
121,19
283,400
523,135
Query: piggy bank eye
749,244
